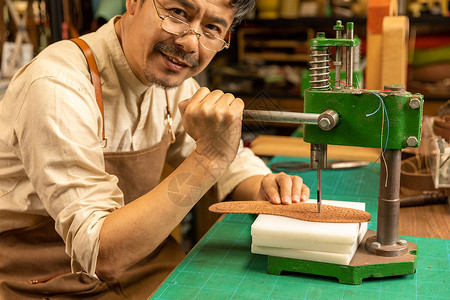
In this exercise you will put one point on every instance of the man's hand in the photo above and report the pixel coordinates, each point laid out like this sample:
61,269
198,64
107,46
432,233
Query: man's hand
214,121
282,188
276,188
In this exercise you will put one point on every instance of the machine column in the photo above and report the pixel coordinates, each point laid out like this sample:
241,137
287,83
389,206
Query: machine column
389,198
386,242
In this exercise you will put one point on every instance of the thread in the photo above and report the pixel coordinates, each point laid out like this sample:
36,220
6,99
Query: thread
381,142
384,112
340,81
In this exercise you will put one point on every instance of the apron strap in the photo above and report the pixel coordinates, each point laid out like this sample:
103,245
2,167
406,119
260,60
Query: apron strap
95,79
169,118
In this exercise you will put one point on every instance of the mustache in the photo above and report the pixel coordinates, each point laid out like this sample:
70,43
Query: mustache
168,48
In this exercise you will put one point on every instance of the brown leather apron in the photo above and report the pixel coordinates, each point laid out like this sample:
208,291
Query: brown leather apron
34,264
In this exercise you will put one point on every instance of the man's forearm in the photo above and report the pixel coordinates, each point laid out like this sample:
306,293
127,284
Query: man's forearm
248,189
135,230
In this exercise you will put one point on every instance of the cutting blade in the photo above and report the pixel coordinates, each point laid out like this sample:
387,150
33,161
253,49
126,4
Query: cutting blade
319,190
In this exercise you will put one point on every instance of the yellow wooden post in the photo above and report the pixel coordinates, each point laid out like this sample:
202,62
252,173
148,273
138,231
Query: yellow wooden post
377,10
394,59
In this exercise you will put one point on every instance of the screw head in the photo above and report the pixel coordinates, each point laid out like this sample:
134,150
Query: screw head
402,242
412,141
338,25
414,103
376,245
324,123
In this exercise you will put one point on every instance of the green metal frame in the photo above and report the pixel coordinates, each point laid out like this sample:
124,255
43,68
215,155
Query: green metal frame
346,274
356,126
378,119
321,41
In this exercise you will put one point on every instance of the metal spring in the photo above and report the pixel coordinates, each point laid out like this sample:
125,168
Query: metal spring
320,68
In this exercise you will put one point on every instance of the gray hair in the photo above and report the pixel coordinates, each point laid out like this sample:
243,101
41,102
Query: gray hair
242,7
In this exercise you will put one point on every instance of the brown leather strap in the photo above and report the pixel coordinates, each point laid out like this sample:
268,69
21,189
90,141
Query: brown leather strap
169,118
95,79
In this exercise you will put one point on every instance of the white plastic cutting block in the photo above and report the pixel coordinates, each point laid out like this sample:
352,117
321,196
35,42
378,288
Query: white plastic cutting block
324,242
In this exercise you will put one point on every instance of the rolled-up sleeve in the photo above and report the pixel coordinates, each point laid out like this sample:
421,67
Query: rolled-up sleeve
58,143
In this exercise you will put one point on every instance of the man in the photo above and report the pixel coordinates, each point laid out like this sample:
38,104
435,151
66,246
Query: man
77,220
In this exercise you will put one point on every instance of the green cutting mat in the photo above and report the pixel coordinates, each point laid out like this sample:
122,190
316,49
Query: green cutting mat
221,265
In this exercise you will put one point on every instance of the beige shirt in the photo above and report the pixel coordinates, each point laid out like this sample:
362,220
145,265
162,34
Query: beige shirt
51,162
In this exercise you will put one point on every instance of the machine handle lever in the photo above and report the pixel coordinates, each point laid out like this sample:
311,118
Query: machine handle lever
281,116
326,120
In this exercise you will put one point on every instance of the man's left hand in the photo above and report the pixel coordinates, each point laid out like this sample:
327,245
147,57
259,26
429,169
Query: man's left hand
281,188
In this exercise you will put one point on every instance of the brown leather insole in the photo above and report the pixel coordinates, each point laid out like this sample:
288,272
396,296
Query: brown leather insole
301,211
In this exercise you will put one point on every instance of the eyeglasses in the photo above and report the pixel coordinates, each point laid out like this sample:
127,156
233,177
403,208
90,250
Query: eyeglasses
178,27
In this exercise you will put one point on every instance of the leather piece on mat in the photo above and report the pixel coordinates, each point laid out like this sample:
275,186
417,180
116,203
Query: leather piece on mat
302,211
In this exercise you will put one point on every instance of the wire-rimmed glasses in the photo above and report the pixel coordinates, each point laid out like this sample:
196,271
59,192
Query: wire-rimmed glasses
178,27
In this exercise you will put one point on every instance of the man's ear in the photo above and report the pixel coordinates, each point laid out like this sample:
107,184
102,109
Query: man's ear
132,6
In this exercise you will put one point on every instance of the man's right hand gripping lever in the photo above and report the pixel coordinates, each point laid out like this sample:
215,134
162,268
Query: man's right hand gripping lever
214,121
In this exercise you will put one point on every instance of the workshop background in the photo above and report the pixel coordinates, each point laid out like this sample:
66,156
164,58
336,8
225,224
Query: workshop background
267,63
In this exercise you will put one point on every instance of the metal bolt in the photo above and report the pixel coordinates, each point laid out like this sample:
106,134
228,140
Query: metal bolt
402,242
328,120
376,245
412,141
338,26
414,103
324,123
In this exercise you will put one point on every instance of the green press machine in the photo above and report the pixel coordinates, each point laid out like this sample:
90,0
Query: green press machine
389,119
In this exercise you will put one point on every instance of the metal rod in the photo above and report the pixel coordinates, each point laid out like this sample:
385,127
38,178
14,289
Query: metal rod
318,161
338,61
281,117
349,65
389,198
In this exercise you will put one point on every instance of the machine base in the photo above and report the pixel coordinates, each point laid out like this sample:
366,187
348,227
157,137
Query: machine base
363,265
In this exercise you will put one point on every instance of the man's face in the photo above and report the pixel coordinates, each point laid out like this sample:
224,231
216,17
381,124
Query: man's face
159,57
